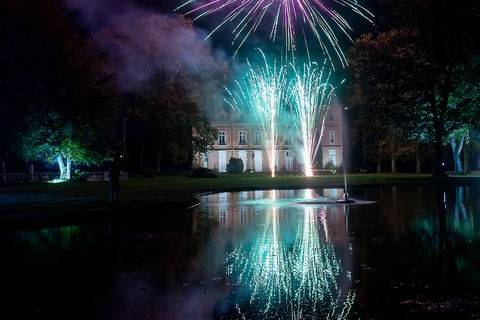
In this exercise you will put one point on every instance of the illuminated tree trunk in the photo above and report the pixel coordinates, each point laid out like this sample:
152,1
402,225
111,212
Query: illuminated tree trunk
69,169
65,167
457,153
61,167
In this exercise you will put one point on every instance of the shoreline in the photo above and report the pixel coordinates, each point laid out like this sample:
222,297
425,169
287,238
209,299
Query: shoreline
144,198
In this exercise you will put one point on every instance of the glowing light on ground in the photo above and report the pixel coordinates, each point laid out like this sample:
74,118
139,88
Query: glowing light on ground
290,19
57,181
311,96
262,92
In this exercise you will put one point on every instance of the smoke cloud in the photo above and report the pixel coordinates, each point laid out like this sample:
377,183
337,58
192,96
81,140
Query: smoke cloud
141,42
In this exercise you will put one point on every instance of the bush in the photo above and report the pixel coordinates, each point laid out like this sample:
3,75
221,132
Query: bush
202,173
333,168
80,175
235,165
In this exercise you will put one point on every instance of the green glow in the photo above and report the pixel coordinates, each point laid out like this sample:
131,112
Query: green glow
262,91
292,22
298,278
311,96
264,268
57,181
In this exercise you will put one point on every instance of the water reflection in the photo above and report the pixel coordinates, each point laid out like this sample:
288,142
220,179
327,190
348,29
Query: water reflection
317,270
262,267
259,254
463,220
291,268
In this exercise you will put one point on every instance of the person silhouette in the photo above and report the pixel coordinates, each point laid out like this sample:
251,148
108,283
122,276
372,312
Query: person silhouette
114,175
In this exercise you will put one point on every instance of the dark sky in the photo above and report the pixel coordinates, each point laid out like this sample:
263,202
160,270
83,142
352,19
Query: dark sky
161,5
101,13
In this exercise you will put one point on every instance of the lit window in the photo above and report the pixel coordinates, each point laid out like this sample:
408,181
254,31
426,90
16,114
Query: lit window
332,156
257,137
242,137
332,136
221,137
205,160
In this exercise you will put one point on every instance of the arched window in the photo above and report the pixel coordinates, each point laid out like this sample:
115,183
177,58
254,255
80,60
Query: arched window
257,138
242,137
221,138
332,156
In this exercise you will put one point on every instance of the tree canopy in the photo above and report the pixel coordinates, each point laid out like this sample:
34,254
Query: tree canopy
415,81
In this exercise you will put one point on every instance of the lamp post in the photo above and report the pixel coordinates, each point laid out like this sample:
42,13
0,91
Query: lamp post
345,192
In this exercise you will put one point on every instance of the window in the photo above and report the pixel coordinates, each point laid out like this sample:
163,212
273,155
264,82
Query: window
221,137
257,135
332,156
242,137
332,136
205,160
334,193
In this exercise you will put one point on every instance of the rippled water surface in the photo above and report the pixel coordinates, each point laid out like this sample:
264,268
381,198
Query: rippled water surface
411,253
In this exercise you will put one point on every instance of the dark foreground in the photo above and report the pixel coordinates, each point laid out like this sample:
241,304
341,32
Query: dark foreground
411,255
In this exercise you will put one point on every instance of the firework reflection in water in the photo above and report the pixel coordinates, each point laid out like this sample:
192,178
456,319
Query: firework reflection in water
299,278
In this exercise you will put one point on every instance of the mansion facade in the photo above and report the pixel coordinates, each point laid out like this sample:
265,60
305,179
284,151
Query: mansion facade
240,139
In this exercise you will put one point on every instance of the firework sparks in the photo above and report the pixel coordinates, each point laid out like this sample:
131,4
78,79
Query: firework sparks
262,92
311,94
292,19
302,278
264,267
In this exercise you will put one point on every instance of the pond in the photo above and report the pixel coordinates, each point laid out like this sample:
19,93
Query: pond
411,253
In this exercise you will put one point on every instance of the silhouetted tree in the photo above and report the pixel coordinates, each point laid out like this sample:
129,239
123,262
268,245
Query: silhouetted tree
423,52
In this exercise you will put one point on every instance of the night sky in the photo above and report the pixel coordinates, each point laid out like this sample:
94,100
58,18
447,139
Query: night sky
93,15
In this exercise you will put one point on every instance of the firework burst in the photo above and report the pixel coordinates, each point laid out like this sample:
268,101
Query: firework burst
311,96
289,20
262,92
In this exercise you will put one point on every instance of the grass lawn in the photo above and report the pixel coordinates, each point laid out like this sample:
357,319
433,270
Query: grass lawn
173,192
